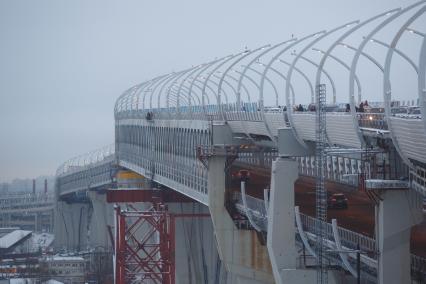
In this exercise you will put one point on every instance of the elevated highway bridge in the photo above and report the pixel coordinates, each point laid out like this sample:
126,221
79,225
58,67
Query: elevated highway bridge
184,131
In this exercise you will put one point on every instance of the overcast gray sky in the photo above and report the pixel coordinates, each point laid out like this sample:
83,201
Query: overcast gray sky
64,63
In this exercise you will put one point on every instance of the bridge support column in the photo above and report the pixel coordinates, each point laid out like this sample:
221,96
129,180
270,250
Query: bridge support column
281,240
396,213
71,225
102,217
240,250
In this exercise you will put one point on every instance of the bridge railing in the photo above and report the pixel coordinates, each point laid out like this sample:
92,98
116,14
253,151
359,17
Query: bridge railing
418,267
87,160
26,200
256,209
372,120
418,180
349,238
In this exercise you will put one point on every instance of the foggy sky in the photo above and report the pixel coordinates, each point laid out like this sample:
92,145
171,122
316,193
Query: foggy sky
64,63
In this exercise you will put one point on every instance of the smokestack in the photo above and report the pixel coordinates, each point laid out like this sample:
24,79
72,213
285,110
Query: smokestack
34,186
45,186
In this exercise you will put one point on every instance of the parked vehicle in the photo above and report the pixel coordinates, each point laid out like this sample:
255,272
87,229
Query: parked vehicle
241,175
338,200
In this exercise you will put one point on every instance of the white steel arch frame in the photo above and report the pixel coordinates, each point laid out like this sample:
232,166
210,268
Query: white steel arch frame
358,54
256,59
280,75
387,90
330,79
422,81
290,72
311,87
213,72
230,67
346,66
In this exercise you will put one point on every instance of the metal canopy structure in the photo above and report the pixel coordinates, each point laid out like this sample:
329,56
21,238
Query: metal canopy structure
162,122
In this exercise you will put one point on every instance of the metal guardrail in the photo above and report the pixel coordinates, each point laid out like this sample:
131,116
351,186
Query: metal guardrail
418,180
372,120
349,239
27,200
87,160
418,267
255,206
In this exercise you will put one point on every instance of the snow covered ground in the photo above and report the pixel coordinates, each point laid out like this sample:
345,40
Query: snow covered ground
41,240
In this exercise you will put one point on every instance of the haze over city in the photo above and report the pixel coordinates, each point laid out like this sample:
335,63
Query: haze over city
64,63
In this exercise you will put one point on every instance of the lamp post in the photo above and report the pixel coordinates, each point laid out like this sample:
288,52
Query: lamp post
413,31
366,55
399,52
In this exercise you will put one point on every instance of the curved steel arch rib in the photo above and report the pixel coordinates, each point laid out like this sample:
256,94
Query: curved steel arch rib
290,72
311,88
387,90
203,69
270,82
256,59
357,56
268,66
399,52
163,86
422,81
341,62
213,72
282,76
333,85
230,67
173,83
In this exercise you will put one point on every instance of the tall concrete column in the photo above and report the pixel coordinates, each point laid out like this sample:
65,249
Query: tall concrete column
396,213
102,217
281,230
281,239
240,250
70,226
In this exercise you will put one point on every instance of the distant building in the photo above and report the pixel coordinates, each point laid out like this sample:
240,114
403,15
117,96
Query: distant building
66,269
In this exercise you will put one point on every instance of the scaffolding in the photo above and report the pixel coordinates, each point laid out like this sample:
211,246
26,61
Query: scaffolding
321,193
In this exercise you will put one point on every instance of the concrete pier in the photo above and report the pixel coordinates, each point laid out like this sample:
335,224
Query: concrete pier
398,210
240,250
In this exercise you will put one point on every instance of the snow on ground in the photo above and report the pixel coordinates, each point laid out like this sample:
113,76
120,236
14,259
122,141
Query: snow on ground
41,240
22,281
53,282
